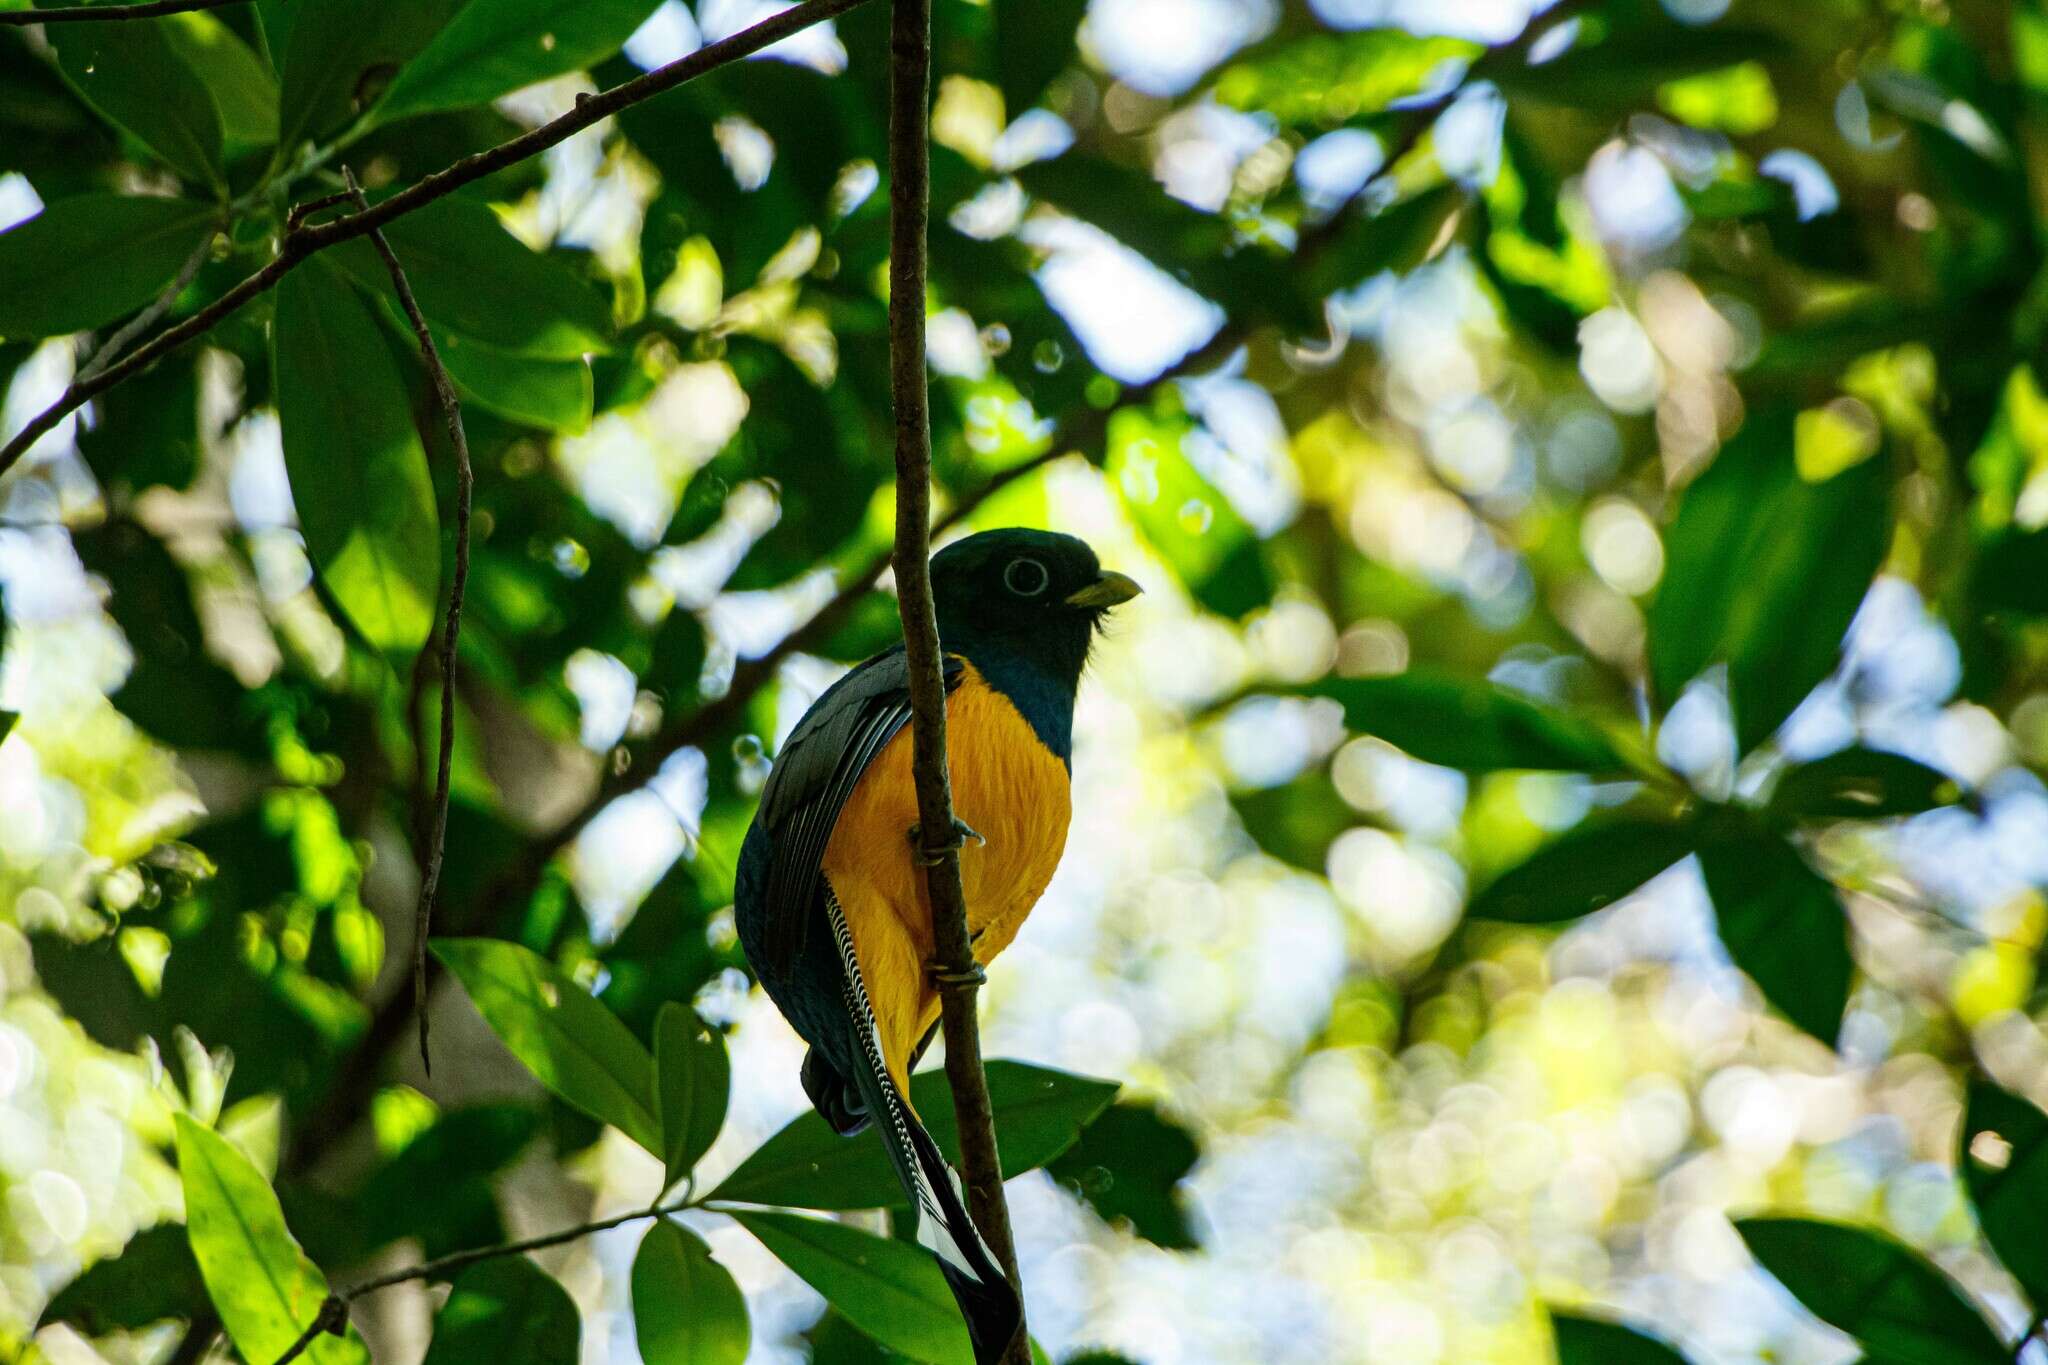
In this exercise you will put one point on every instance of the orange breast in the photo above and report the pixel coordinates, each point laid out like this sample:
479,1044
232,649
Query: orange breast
1010,788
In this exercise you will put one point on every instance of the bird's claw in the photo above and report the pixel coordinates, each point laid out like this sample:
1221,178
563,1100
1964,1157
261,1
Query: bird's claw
930,854
943,977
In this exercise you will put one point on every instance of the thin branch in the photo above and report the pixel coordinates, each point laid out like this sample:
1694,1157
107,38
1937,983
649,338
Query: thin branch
306,240
451,625
910,56
74,14
110,350
333,1314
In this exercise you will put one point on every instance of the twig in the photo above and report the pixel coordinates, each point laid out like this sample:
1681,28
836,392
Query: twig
110,350
306,240
910,57
333,1315
72,14
451,626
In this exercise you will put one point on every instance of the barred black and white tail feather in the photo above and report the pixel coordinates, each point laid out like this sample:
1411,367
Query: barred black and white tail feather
944,1227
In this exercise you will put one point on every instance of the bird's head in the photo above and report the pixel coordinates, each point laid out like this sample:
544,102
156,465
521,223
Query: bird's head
1037,593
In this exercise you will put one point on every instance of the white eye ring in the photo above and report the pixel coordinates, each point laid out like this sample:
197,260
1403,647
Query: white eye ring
1026,577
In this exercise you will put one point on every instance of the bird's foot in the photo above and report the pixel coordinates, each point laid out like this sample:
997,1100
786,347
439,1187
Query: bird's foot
944,978
930,854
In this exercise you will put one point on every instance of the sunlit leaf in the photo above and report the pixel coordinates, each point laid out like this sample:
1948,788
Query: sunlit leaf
554,395
1468,723
493,47
243,91
573,1044
1764,572
2004,1163
891,1290
506,1312
1586,870
358,470
1038,1112
686,1308
1783,926
1888,1297
1327,79
88,259
691,1077
264,1288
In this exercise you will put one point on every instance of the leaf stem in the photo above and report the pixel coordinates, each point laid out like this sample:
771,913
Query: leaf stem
71,14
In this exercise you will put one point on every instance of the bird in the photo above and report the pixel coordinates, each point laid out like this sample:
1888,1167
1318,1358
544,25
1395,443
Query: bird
829,890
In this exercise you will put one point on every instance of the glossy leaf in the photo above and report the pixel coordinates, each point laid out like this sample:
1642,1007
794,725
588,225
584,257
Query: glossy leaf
262,1285
1861,784
1039,1113
891,1290
1764,572
1783,926
1468,723
2004,1163
1128,1165
691,1078
686,1308
573,1044
1897,1305
1585,1340
473,277
91,258
152,1278
1585,870
132,74
506,1312
554,395
358,470
493,47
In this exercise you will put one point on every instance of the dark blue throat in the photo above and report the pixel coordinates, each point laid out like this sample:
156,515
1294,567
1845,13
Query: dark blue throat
1039,675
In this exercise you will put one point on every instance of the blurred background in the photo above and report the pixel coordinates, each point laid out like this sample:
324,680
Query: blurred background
1343,420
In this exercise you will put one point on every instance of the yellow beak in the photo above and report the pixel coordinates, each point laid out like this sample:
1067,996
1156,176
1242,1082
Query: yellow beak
1106,591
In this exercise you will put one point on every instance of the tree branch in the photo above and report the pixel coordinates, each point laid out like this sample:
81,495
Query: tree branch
953,948
72,14
333,1314
451,625
304,241
110,350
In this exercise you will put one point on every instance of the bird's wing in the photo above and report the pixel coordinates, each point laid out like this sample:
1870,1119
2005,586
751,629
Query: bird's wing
814,774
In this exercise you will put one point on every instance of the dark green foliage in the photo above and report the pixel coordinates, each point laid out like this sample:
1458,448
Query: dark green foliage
1588,869
1782,925
1440,718
511,1312
1127,1165
1585,1340
2008,1179
153,1278
93,258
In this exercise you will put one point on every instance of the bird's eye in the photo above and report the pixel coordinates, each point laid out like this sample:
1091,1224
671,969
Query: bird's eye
1026,577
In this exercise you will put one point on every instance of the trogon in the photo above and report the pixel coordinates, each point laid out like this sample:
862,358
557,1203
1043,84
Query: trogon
829,892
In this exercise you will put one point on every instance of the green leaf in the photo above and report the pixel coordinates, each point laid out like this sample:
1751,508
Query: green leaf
153,1278
554,395
2010,1191
264,1288
146,429
1127,1165
691,1078
358,471
1764,572
1861,784
1782,925
89,259
1297,821
1039,1113
2010,575
1328,79
341,54
1596,1341
686,1308
891,1290
1898,1306
437,1188
1585,870
1036,43
577,1048
1468,723
493,47
132,74
1397,238
243,91
473,277
506,1312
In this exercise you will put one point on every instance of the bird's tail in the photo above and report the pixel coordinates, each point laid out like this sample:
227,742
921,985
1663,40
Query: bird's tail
986,1300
